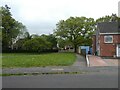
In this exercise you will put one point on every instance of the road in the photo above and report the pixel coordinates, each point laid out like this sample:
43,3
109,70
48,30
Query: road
105,78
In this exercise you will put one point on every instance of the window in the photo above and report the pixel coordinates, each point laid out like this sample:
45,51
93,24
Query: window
108,39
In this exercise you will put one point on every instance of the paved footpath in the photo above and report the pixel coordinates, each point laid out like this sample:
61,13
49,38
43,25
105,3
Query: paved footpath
81,61
98,61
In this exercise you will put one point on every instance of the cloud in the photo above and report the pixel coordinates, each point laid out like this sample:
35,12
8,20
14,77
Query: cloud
41,27
41,16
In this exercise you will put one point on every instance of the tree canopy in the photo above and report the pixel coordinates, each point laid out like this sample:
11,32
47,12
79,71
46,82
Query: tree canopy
108,18
11,29
76,30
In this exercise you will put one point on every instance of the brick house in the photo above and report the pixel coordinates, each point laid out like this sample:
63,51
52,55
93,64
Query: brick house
106,40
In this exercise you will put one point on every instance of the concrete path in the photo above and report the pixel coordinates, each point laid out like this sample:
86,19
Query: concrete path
81,61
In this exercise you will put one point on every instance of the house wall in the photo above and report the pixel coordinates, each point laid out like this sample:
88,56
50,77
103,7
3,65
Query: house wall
108,49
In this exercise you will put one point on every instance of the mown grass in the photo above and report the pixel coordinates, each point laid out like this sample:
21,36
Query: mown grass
13,60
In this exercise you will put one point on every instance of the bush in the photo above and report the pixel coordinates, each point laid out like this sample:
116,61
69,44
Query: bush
30,51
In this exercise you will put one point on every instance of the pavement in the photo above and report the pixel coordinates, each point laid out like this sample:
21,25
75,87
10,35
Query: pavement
81,61
79,66
98,61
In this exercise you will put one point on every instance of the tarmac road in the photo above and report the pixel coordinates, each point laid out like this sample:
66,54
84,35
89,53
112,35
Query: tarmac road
102,79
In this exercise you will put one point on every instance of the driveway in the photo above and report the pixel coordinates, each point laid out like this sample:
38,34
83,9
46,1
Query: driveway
98,61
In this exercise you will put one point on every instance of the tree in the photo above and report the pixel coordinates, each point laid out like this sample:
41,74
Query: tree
63,42
108,18
37,44
31,45
51,39
23,33
35,36
76,30
22,38
12,30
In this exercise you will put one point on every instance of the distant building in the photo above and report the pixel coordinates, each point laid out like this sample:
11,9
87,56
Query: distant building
106,40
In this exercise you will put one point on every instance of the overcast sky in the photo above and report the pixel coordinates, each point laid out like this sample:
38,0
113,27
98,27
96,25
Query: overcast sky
41,16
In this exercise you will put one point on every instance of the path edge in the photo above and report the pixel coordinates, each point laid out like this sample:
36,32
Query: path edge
87,60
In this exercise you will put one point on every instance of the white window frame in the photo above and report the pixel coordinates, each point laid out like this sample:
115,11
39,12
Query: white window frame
106,37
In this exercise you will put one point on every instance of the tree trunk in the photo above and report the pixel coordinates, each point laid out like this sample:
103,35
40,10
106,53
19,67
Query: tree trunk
75,48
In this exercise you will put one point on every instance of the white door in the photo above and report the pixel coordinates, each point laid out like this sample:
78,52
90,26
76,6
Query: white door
118,50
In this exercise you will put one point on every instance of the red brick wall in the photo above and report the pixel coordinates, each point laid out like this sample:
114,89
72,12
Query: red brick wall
94,44
108,49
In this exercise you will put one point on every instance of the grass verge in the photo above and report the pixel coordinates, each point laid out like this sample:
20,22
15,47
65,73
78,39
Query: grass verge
16,60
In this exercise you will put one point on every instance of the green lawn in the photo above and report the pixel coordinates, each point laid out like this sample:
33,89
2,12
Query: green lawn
12,60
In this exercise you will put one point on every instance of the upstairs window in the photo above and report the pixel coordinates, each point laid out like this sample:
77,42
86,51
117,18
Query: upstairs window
108,39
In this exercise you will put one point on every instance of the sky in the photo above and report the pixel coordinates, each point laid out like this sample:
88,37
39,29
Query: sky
41,16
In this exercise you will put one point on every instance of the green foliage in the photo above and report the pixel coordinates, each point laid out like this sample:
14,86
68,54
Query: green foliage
31,45
34,44
11,29
51,39
108,18
37,60
76,30
63,43
40,43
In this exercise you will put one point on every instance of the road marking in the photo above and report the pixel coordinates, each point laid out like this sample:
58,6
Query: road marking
58,69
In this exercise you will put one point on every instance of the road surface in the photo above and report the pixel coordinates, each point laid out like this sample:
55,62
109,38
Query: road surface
105,78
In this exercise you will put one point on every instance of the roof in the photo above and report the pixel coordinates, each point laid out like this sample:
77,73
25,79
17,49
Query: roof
108,27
